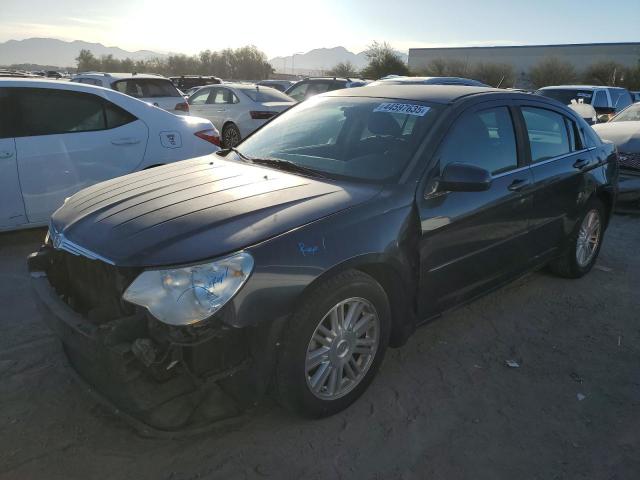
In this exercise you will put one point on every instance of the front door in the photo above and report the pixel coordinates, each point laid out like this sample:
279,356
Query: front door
472,241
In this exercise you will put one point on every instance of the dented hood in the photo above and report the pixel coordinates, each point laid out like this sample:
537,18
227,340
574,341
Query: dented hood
194,210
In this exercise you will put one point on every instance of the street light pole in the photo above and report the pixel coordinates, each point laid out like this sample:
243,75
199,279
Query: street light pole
293,62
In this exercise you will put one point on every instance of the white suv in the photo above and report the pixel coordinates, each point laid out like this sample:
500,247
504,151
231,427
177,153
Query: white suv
154,89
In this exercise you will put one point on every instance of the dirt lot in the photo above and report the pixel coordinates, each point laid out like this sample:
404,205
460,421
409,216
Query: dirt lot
443,407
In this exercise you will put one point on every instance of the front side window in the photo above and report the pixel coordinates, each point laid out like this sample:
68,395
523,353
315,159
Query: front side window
364,139
485,139
200,97
51,111
548,134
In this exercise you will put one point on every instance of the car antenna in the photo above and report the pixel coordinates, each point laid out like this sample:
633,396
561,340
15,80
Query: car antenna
500,82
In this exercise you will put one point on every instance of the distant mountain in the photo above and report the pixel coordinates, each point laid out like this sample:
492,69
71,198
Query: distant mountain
49,51
320,59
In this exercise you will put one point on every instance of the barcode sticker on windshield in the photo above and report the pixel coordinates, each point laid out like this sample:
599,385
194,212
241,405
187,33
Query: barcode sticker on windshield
406,108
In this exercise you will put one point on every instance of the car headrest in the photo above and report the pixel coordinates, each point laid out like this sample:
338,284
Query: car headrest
382,123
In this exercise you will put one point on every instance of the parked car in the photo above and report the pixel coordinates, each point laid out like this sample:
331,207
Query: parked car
624,131
280,85
59,137
399,80
313,86
53,74
237,109
636,96
324,237
186,82
607,101
153,89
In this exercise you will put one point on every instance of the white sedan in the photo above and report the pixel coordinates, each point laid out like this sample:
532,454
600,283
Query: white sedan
237,109
59,137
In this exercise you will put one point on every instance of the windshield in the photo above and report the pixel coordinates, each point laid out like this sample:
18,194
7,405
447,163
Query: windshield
565,95
266,94
367,139
629,114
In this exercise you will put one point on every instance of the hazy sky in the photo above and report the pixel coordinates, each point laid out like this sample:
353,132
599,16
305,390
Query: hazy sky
282,28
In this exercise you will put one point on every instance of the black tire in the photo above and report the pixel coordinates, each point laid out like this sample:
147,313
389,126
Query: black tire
567,265
230,135
292,384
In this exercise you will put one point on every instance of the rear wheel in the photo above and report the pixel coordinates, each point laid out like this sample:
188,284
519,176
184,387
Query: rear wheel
584,244
230,136
334,345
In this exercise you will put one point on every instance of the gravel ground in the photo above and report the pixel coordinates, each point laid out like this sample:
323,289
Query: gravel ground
445,406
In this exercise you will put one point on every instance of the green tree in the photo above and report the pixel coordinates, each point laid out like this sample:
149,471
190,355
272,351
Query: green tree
494,74
605,73
383,60
86,61
445,67
343,69
552,71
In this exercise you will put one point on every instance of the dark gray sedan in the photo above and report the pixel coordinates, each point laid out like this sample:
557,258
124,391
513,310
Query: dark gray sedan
290,263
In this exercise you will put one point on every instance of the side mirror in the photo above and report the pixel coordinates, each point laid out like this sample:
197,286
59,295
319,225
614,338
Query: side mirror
462,177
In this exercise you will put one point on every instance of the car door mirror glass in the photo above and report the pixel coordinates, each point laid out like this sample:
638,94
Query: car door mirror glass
463,177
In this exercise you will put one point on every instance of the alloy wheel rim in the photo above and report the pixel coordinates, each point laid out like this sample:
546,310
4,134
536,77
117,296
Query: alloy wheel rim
588,238
231,137
342,348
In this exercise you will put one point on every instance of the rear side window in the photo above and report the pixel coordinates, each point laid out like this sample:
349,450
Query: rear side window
115,116
600,99
6,125
200,97
548,134
222,96
146,88
485,139
620,98
43,111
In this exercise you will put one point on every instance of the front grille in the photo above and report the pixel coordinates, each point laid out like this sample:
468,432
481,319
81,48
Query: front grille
629,160
91,287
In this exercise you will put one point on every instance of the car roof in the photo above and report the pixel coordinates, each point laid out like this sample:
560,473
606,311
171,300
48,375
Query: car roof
120,76
573,87
423,93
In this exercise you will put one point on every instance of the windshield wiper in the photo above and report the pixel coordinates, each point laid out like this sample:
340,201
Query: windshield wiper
278,163
288,165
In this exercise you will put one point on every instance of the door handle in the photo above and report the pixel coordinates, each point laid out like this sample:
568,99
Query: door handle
6,154
125,141
581,163
518,184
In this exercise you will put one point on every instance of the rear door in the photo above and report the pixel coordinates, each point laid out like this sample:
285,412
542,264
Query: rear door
558,160
11,206
68,141
472,241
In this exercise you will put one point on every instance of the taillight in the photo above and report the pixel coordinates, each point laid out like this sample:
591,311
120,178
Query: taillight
258,115
211,135
182,107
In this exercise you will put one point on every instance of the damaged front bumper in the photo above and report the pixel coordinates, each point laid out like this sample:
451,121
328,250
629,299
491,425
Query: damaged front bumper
149,371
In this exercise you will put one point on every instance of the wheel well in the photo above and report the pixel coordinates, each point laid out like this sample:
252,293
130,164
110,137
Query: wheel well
227,123
400,301
606,197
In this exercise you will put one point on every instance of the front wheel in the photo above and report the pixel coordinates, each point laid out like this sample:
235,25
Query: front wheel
333,345
584,244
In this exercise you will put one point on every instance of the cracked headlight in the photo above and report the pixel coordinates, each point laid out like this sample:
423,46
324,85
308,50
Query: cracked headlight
186,295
